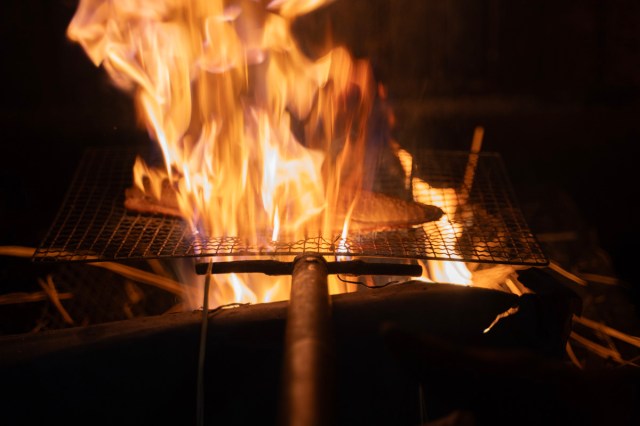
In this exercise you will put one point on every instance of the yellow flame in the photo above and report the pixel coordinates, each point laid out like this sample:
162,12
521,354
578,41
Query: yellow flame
220,86
451,272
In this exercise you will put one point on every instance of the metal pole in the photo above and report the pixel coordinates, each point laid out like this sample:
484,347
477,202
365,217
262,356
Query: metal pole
308,354
202,351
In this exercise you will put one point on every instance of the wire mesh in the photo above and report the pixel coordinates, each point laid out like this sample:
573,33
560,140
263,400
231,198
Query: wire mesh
482,224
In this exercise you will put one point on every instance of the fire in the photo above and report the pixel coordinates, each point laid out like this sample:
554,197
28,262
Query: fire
448,200
259,140
220,87
497,277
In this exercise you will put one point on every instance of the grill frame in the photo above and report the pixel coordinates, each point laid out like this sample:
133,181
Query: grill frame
93,225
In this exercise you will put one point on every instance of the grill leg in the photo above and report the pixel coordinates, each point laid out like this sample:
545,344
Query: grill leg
308,354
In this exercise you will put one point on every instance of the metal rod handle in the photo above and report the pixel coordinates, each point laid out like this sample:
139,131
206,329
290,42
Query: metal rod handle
347,267
308,358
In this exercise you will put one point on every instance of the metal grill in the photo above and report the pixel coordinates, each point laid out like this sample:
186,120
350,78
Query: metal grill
93,225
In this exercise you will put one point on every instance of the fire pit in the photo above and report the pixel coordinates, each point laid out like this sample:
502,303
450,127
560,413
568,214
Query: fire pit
146,368
264,153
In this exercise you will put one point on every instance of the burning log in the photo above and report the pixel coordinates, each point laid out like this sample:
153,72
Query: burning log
145,367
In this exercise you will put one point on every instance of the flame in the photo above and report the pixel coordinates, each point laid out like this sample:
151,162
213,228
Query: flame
497,277
220,85
451,272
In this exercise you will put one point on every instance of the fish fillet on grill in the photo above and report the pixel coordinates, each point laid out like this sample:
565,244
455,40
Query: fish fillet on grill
372,212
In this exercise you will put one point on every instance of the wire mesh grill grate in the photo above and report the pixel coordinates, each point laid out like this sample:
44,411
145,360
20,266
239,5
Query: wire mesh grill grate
488,227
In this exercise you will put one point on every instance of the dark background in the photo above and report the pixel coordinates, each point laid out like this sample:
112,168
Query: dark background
555,84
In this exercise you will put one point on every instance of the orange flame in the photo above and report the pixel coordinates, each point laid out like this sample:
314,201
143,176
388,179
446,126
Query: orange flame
451,272
220,86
